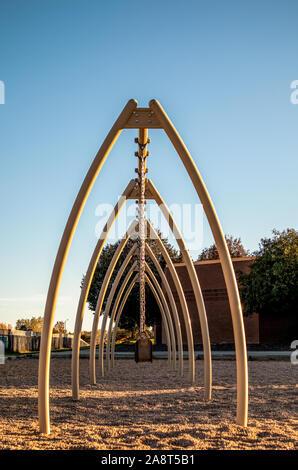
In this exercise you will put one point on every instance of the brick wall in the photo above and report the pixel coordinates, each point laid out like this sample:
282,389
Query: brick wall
212,283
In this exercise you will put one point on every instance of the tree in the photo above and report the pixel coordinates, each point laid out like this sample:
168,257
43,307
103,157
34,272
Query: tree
59,327
33,324
122,335
271,285
130,316
4,326
235,247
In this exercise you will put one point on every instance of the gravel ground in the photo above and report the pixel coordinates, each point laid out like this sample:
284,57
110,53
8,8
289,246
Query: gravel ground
145,406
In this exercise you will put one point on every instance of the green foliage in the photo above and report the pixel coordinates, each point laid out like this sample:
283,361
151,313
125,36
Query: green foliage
130,316
122,335
59,327
271,285
235,246
33,324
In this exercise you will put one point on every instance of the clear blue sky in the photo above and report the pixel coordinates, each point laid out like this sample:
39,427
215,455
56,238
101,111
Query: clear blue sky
222,70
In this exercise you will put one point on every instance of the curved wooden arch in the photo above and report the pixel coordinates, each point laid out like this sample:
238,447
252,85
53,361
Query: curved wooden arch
166,310
173,308
108,306
163,316
49,314
174,228
86,287
158,119
195,286
175,317
169,293
123,302
199,300
115,306
173,272
105,317
225,259
101,297
181,299
167,322
84,295
119,313
160,305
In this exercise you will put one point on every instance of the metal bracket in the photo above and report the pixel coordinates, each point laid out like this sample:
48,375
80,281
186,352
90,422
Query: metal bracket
143,118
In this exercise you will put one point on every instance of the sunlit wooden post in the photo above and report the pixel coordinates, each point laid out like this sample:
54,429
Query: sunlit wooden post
225,259
195,286
86,288
48,320
100,300
185,312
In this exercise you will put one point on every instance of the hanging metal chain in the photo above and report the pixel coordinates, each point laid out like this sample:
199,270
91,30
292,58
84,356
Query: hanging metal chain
141,214
142,154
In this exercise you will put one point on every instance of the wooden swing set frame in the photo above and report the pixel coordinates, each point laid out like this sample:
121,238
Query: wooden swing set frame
153,117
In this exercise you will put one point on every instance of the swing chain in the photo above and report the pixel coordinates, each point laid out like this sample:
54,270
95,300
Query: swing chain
142,154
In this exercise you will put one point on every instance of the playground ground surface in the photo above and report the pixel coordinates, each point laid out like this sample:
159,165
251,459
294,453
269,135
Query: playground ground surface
146,406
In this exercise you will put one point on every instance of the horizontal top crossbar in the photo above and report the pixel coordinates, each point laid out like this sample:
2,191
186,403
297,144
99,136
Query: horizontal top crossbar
143,118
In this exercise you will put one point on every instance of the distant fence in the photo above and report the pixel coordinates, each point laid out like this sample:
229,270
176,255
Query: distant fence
2,352
23,341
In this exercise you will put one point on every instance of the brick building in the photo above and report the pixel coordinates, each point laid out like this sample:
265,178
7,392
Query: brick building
210,275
